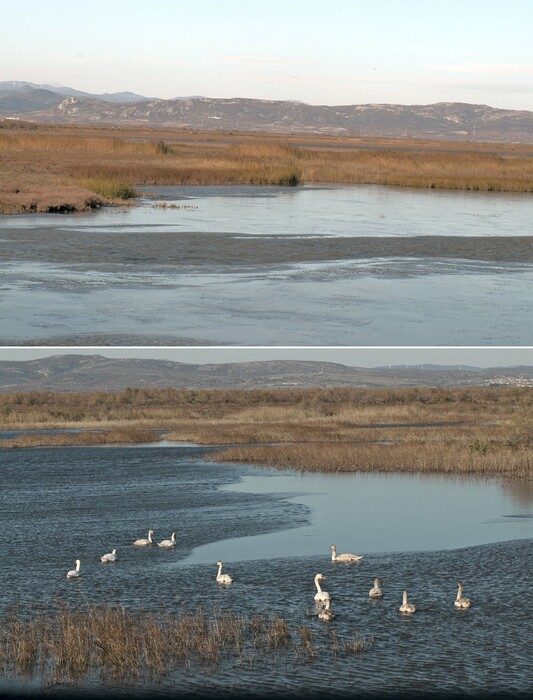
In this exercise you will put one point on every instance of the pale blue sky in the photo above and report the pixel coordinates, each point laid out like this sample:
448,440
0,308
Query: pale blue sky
317,51
355,357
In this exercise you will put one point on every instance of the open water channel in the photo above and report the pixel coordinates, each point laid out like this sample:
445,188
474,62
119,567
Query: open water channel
365,265
272,530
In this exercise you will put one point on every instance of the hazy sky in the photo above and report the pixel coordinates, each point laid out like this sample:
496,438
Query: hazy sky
358,357
317,51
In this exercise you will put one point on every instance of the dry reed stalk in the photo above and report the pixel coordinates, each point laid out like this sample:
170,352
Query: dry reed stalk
66,644
356,644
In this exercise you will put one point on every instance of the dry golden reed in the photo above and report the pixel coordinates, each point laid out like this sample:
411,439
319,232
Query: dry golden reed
42,163
484,431
65,645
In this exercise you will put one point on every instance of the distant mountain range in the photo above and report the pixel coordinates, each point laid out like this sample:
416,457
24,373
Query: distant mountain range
98,373
443,120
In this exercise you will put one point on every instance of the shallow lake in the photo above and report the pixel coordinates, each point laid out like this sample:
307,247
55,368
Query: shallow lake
364,265
273,530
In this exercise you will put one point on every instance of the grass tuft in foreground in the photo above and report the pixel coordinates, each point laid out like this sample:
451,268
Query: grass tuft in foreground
68,644
110,188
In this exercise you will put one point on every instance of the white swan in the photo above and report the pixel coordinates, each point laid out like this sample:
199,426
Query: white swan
144,542
320,596
327,613
112,556
460,602
406,607
343,557
168,543
223,578
74,573
376,591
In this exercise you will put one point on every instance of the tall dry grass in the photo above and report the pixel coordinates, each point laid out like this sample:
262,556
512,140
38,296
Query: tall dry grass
67,644
117,436
74,143
235,406
137,156
442,457
469,430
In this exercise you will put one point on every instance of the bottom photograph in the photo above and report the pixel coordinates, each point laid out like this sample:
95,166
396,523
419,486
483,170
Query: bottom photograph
266,521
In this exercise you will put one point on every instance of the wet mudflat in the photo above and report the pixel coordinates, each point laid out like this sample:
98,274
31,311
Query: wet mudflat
272,531
221,265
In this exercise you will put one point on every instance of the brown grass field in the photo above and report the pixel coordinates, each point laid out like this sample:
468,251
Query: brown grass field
72,168
484,431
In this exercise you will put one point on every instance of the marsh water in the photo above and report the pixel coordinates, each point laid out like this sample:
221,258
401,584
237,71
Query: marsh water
365,265
272,530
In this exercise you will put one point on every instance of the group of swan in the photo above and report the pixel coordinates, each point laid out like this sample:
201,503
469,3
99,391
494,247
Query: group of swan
113,556
323,598
146,542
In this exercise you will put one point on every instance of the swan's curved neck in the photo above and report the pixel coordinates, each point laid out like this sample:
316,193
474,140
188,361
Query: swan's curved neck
404,597
219,569
173,538
149,535
376,583
460,592
78,565
317,584
333,553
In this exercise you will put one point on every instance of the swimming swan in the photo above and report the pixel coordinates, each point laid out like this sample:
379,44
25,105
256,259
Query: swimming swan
223,578
406,607
74,573
343,557
144,542
461,603
112,556
326,614
320,596
168,543
376,591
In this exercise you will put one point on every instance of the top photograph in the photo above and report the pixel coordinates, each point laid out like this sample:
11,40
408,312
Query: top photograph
232,174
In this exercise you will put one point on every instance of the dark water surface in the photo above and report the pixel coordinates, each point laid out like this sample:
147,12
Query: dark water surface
59,504
362,265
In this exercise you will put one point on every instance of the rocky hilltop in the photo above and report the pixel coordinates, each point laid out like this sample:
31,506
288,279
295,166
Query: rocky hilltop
443,120
95,372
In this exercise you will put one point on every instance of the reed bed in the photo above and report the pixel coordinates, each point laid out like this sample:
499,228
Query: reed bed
361,406
74,143
488,460
126,436
486,431
67,644
136,156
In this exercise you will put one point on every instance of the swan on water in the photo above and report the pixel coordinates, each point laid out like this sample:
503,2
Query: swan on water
327,613
406,607
320,596
142,542
222,578
460,602
74,573
343,557
112,556
376,591
168,543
